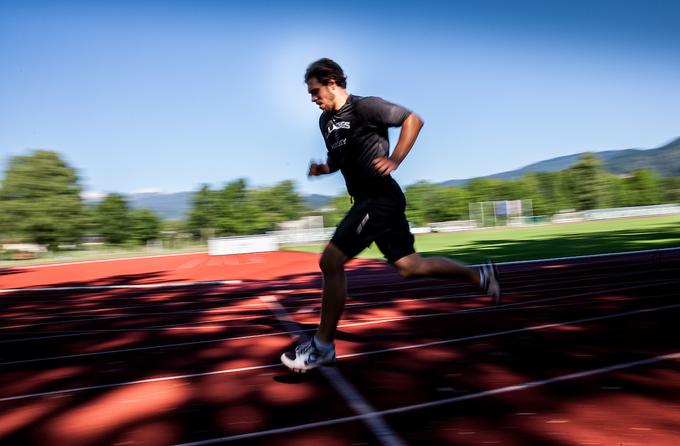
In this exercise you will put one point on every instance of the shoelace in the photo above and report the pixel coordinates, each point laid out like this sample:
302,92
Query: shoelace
303,348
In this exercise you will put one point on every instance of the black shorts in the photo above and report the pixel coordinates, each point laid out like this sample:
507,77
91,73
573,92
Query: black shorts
381,220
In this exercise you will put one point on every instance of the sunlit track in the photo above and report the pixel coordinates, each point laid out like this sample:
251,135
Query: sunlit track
223,305
361,321
382,431
430,404
587,343
354,355
378,276
595,260
124,316
357,305
470,310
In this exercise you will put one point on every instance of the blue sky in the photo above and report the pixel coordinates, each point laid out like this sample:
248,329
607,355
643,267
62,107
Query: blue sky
168,95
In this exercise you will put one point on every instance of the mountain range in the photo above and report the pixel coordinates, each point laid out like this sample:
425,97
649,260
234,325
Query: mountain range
665,160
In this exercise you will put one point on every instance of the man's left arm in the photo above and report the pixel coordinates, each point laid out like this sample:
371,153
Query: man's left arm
410,129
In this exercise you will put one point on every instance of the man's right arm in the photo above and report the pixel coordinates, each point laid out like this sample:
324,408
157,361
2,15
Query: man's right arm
318,169
331,165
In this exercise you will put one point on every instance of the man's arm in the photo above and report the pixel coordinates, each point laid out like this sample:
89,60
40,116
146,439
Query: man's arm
409,133
316,169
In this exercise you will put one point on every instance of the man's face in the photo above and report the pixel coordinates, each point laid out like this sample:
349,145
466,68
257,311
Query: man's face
322,95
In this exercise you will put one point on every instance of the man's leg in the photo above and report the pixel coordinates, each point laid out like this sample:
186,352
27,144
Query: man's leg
414,265
332,265
321,349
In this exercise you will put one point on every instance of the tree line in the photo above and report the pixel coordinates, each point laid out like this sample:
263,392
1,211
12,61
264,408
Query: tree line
40,202
584,185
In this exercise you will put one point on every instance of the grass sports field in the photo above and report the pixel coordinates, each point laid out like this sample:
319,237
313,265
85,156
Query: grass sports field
507,244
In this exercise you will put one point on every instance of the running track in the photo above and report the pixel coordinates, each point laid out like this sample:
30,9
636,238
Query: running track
184,350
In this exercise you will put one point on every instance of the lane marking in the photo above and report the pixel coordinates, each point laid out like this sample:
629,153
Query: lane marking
518,262
131,286
50,265
376,424
486,309
351,355
590,256
436,403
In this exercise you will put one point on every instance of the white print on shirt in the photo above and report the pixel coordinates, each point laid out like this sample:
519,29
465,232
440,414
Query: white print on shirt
337,125
339,143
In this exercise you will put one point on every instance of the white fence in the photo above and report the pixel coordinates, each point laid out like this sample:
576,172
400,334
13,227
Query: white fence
241,245
607,214
304,233
303,236
452,226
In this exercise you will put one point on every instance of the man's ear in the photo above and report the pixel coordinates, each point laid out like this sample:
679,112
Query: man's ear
332,85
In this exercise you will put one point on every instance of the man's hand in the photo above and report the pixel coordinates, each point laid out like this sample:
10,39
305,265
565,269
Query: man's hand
316,169
384,166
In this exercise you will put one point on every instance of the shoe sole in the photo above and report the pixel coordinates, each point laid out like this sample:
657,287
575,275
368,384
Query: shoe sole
289,364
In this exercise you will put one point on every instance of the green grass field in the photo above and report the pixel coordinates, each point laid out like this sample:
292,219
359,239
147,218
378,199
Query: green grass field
506,244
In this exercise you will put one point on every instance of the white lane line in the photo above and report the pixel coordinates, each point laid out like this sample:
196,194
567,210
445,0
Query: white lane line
512,331
518,262
436,403
128,316
590,256
351,355
140,381
228,309
503,307
233,308
404,289
131,286
376,424
82,262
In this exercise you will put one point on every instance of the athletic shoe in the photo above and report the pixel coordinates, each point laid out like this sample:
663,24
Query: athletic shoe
307,356
490,284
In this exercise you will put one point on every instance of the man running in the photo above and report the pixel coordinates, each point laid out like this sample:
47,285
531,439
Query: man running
355,131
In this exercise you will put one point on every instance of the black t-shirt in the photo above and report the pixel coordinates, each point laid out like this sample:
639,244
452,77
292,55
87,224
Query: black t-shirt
357,134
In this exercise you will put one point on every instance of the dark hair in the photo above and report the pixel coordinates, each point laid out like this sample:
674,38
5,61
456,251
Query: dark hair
324,70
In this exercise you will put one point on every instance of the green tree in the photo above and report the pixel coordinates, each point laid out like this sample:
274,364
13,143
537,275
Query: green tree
418,202
671,189
340,205
113,217
90,220
40,200
144,226
587,183
446,204
643,188
235,213
202,219
617,191
275,205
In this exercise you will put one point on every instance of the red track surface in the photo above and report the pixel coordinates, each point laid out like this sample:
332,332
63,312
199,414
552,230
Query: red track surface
578,354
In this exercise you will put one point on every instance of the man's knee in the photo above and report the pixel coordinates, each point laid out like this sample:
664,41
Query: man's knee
329,265
332,260
409,267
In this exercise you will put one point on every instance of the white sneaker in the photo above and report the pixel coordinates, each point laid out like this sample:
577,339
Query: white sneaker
307,356
490,285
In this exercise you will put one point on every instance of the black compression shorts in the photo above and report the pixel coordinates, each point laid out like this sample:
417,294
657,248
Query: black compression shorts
381,220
